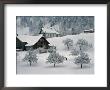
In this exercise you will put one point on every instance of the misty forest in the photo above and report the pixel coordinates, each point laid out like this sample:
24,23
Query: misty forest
65,24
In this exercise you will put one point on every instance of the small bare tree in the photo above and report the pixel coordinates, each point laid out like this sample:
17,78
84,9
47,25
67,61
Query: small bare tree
68,42
52,49
31,57
55,58
83,58
83,44
75,52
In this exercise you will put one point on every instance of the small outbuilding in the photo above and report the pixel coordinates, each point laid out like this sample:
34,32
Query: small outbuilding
89,31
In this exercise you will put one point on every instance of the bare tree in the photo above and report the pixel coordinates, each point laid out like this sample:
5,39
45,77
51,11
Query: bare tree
83,58
83,44
55,58
68,42
31,57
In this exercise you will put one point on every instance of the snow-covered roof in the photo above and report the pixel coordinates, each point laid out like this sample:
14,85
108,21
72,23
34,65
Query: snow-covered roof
31,40
89,30
49,30
50,44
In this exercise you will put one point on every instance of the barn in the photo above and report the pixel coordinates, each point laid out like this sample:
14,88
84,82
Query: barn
49,32
20,45
33,42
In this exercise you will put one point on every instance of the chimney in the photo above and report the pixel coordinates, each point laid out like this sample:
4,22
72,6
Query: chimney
44,35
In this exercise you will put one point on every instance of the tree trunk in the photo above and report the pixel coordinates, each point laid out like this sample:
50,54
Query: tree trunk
80,48
30,63
54,65
68,47
81,65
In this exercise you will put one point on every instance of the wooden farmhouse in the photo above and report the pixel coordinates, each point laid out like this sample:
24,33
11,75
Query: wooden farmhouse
26,42
20,45
49,32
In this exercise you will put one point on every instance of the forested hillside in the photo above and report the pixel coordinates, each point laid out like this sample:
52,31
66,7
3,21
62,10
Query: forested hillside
64,24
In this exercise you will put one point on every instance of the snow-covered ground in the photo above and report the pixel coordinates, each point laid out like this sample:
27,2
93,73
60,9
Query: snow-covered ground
67,67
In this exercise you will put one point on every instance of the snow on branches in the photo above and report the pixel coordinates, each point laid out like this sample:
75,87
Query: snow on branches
83,58
80,51
55,58
68,42
82,44
31,57
75,51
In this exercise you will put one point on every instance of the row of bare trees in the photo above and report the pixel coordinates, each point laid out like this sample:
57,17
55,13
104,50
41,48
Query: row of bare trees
79,50
54,58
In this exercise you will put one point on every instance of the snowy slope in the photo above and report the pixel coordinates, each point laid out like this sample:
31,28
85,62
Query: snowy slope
68,67
58,41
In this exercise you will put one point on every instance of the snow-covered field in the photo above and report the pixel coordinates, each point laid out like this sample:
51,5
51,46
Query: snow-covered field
67,67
